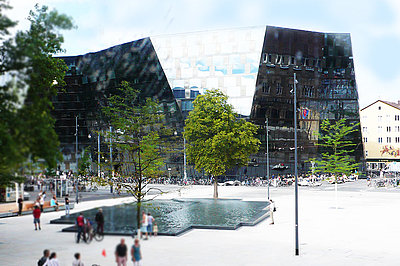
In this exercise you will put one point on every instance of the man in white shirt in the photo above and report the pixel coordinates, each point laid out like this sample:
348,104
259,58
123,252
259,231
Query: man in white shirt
271,210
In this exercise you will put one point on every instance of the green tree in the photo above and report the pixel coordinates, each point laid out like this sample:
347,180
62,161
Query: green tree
217,138
27,64
336,148
138,127
84,162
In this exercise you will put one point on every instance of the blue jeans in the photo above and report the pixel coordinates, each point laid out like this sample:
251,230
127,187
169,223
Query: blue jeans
67,209
81,231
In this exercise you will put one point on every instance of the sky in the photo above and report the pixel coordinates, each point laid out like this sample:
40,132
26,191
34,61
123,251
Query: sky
374,26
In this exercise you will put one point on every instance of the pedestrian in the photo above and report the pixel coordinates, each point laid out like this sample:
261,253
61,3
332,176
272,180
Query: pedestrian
53,261
80,223
100,221
150,220
77,261
272,209
136,254
143,229
121,252
42,200
67,209
36,217
155,228
20,205
43,260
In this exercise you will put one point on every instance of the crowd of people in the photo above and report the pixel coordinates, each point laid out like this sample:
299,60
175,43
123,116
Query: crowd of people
121,256
50,259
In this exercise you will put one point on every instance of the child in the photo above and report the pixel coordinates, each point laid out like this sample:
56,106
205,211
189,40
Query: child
155,228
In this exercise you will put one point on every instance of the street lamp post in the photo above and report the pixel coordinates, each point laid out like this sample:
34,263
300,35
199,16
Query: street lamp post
111,162
295,168
98,155
76,159
76,142
184,161
267,152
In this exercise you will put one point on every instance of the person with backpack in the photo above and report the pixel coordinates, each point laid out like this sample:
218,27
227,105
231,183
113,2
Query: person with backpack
43,260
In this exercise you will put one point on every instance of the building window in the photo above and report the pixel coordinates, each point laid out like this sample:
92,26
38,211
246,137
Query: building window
379,118
388,129
379,108
265,88
379,129
397,129
397,139
379,140
364,129
388,139
365,140
278,89
366,153
396,117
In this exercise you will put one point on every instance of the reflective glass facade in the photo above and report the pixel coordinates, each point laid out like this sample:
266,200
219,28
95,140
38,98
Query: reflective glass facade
326,89
254,66
225,59
92,77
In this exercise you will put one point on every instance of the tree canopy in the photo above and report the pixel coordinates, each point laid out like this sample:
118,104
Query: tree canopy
336,148
138,127
217,139
32,76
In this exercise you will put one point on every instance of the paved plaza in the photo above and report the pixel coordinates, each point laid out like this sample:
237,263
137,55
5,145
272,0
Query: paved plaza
362,231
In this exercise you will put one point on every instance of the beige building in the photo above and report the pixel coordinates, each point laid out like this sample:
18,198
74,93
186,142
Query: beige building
380,127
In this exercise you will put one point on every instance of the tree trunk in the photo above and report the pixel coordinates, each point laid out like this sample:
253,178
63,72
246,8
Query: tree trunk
215,188
138,207
336,193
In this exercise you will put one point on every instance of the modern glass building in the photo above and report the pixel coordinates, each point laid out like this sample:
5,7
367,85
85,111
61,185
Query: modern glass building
254,66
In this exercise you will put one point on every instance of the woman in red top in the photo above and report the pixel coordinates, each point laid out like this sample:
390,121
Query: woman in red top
36,217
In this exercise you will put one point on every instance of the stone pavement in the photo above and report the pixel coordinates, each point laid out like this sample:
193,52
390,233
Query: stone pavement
363,231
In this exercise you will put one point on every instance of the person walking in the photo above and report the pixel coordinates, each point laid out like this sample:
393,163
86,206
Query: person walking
66,202
136,254
150,220
121,253
77,261
53,261
36,217
144,226
80,223
20,205
272,209
100,221
42,200
43,260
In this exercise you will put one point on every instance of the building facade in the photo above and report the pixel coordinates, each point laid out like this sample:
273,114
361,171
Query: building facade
254,66
380,124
